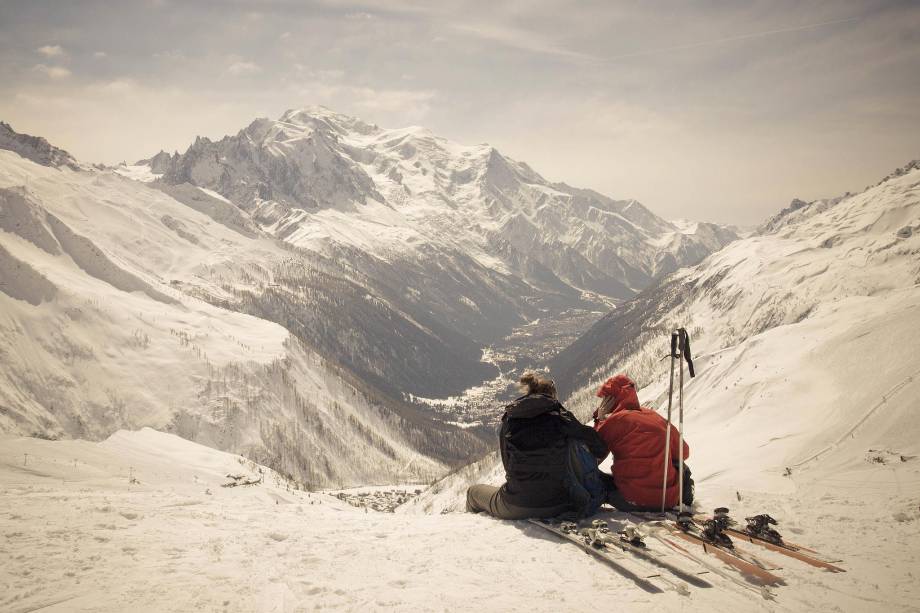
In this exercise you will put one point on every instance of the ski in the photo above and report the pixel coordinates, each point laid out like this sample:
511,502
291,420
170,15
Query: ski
759,532
752,568
630,541
659,534
713,532
747,568
569,532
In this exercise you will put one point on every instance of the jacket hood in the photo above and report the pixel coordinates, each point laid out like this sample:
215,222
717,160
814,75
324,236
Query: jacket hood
531,405
623,391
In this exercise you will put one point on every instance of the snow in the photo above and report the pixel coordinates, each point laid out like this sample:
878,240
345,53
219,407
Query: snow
213,194
138,172
81,537
405,192
99,307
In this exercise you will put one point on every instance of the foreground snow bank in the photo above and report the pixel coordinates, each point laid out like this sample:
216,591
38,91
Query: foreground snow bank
140,522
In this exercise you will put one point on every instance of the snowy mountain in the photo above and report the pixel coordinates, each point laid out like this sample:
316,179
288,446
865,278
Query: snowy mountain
449,247
314,178
35,148
801,336
801,261
109,307
297,323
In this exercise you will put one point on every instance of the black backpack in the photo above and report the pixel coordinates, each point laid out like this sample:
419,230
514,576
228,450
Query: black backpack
583,480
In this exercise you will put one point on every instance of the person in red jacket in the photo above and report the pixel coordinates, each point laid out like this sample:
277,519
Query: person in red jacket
635,436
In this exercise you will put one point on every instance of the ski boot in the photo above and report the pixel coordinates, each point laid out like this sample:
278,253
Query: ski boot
593,537
600,525
568,527
684,520
713,529
630,534
759,526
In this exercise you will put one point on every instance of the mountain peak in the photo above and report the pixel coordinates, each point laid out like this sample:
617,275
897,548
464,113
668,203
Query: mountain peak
35,148
317,178
317,116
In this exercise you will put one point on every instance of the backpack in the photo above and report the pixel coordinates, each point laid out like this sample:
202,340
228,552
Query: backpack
689,485
583,480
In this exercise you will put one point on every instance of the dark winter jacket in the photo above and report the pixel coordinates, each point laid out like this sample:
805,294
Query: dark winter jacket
533,440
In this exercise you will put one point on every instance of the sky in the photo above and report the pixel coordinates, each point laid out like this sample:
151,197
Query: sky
717,111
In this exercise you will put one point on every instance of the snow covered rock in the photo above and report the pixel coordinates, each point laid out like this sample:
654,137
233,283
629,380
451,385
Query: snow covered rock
35,148
314,176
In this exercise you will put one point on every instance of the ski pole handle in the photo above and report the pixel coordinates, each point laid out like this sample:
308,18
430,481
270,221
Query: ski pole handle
673,344
685,350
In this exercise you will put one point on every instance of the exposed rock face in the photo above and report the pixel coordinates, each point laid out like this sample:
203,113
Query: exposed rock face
35,148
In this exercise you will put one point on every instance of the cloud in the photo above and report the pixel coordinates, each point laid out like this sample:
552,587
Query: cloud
171,55
730,39
412,103
329,75
51,50
52,72
523,40
239,69
118,86
399,105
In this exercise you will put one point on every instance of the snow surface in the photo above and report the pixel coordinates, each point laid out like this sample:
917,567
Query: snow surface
79,536
138,172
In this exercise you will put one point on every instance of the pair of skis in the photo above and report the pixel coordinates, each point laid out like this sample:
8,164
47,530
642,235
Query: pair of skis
716,533
687,536
758,532
618,550
670,529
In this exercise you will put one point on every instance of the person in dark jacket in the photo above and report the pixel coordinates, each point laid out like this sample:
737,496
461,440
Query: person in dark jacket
533,440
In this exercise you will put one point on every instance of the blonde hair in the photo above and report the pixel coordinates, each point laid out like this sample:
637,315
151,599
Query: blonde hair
532,383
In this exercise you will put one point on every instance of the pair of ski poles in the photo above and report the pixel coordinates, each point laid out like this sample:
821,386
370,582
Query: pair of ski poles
680,352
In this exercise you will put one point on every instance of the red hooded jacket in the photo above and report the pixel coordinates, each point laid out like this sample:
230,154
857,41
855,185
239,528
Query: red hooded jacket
635,436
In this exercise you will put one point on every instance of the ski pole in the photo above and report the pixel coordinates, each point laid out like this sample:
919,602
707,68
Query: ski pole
680,410
667,435
684,355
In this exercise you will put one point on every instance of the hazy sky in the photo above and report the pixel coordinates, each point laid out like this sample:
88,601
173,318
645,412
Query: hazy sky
712,110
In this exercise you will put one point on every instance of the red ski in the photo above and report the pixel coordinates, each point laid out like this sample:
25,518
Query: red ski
760,533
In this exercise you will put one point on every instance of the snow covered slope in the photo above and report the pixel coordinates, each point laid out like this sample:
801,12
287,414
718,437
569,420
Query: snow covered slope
116,312
805,265
803,342
140,522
